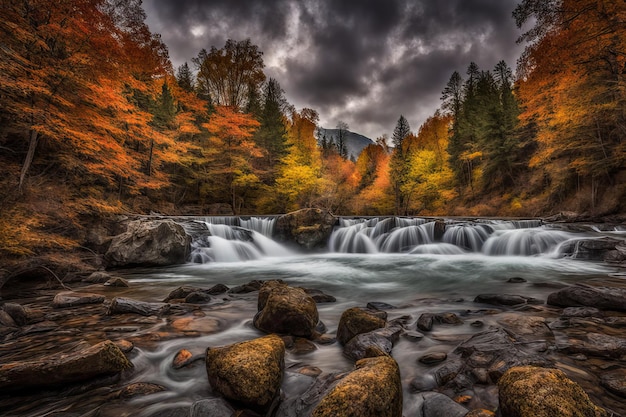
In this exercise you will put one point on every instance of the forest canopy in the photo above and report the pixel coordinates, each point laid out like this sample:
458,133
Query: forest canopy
94,120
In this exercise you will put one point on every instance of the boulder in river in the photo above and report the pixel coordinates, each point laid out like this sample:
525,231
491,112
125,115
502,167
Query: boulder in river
593,249
248,372
308,228
104,358
374,389
121,305
72,299
355,321
604,298
286,310
149,243
541,392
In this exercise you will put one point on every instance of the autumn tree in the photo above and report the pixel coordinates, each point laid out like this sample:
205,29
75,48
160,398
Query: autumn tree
231,152
226,75
300,177
572,93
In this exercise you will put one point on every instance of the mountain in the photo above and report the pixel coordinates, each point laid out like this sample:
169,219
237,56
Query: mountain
354,141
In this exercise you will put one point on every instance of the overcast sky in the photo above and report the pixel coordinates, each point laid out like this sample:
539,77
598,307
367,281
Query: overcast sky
364,62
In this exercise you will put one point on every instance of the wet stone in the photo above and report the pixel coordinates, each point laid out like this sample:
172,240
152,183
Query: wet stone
581,312
124,345
211,407
117,282
140,388
377,305
516,280
433,358
413,336
615,382
198,298
72,299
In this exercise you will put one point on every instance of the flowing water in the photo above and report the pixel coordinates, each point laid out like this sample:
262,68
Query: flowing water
403,262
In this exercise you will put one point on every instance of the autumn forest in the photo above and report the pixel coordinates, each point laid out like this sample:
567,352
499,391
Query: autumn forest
94,120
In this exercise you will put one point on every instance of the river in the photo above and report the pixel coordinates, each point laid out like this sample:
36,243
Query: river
400,262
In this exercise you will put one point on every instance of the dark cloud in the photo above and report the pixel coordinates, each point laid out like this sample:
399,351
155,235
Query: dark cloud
361,61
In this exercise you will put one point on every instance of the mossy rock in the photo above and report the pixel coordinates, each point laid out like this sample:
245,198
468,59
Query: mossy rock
529,391
356,321
286,310
374,389
248,372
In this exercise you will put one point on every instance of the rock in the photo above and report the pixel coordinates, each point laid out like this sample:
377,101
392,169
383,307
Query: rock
98,277
434,404
117,282
615,382
366,345
526,327
202,325
140,388
182,358
22,315
426,321
448,371
377,305
413,336
212,407
504,299
356,321
149,243
516,280
308,228
248,372
124,345
169,411
581,312
198,297
217,289
285,310
7,320
246,288
181,293
72,299
604,298
374,389
121,305
595,344
492,352
591,249
320,296
539,392
433,358
105,358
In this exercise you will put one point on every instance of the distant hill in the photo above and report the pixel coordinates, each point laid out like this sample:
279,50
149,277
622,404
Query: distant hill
354,142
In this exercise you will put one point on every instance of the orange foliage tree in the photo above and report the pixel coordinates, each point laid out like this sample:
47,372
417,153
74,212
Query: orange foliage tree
572,91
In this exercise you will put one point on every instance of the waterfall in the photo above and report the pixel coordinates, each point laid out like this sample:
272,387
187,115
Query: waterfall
420,236
232,239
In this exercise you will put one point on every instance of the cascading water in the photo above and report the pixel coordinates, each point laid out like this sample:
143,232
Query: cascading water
418,236
231,239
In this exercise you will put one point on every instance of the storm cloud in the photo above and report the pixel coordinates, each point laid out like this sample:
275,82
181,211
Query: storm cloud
364,62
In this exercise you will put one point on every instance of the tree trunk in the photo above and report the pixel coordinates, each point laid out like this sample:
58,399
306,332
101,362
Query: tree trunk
32,147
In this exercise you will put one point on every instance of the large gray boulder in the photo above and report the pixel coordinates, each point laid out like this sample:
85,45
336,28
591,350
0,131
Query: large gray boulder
149,243
308,228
